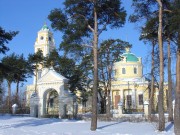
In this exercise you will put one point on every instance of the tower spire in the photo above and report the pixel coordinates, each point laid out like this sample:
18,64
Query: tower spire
45,22
45,26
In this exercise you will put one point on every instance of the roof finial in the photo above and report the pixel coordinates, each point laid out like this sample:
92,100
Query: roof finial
45,22
127,49
45,27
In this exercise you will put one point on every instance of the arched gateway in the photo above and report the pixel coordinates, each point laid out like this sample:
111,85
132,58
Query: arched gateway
51,102
52,95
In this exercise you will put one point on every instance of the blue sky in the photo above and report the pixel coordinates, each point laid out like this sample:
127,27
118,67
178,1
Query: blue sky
28,16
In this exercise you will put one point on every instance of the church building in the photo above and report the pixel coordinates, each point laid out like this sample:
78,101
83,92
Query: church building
129,86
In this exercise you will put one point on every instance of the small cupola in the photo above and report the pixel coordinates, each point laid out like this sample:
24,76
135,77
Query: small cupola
45,27
128,56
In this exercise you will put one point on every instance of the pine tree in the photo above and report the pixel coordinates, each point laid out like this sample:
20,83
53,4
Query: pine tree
110,51
35,60
149,34
175,28
5,37
146,11
86,20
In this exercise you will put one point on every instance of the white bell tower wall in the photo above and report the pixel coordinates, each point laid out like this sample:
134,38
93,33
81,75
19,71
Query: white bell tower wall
44,42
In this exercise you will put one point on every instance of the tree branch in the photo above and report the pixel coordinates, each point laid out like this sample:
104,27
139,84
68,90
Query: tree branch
80,15
85,45
90,28
103,28
167,10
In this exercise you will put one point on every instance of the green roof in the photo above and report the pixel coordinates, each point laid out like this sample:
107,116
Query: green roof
130,57
45,27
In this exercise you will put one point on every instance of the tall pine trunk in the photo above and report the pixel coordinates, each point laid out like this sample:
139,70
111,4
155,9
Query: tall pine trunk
151,99
161,124
108,110
105,91
95,85
17,91
177,100
36,71
170,106
9,96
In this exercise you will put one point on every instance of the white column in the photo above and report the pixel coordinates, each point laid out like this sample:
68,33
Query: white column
134,99
45,49
42,107
34,79
146,105
62,108
120,109
35,106
121,95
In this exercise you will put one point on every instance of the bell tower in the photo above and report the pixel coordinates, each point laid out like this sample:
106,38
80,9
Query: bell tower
44,42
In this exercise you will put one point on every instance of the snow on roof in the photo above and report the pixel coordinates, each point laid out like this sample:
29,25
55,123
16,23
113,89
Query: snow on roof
52,76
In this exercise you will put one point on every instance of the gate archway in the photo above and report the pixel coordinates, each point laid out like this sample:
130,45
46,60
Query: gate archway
51,102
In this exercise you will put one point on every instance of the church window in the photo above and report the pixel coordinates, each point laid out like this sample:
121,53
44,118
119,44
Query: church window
49,38
42,37
141,99
129,101
123,71
135,70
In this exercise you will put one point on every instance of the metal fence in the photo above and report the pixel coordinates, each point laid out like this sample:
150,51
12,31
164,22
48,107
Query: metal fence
24,110
52,112
130,111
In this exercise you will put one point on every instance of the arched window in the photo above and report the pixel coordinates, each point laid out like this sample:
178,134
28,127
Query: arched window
140,99
123,71
41,37
135,70
129,101
49,38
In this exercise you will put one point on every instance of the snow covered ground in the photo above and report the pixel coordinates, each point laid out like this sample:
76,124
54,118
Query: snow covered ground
16,125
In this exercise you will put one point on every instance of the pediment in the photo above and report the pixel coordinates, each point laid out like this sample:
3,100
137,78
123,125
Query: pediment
52,77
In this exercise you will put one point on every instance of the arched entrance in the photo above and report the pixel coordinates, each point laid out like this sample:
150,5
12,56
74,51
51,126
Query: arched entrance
51,103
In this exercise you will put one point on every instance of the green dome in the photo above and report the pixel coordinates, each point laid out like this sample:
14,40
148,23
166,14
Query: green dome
130,57
45,27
